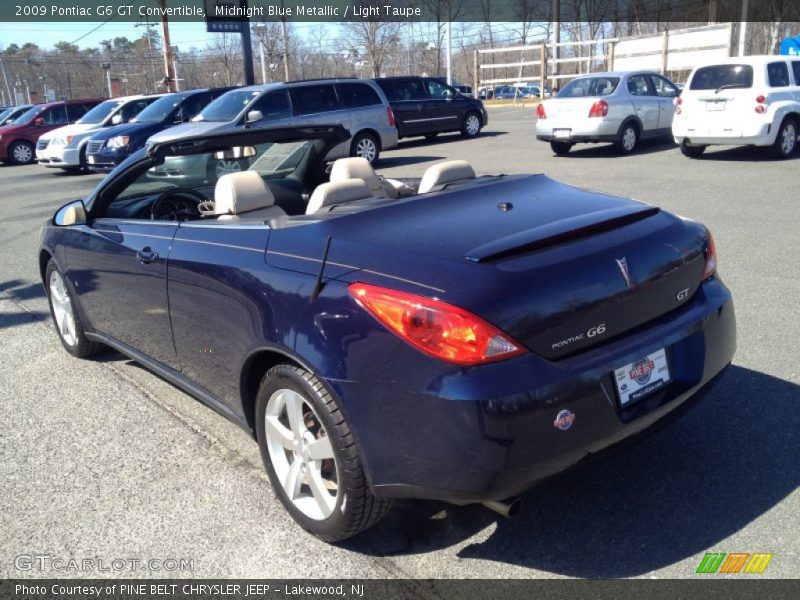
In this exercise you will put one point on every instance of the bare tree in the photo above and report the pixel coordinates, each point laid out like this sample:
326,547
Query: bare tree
373,40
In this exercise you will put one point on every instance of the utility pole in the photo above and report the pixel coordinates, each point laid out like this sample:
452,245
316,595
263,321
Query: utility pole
743,28
285,46
556,10
449,51
169,72
107,68
260,36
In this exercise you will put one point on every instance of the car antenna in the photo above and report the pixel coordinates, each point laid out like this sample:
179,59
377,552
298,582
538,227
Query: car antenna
318,285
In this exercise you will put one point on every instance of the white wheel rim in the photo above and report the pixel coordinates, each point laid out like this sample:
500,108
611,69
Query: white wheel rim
225,167
366,149
629,139
788,139
473,125
62,309
22,153
301,454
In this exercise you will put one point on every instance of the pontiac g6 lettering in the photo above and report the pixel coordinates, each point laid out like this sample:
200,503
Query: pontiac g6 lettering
377,336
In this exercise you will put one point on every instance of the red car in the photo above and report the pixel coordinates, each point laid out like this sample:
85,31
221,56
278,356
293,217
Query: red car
18,140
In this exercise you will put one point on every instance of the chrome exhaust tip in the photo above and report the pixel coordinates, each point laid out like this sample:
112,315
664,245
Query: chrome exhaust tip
507,508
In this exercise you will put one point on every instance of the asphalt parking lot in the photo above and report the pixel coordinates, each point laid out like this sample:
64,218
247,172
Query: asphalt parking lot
102,459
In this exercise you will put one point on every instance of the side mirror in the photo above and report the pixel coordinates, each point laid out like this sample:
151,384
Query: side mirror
38,121
254,115
73,213
116,119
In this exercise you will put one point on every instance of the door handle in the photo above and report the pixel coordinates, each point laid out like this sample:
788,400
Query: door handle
146,255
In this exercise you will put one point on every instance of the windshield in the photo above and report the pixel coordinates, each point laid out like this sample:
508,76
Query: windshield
158,110
99,113
713,78
589,86
227,107
28,115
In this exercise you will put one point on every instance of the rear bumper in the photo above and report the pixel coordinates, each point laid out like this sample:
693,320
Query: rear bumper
580,130
388,138
751,133
488,433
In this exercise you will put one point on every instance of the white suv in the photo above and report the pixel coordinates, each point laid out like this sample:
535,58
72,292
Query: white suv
751,100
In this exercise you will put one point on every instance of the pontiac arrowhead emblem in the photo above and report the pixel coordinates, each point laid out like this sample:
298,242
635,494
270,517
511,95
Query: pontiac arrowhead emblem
622,263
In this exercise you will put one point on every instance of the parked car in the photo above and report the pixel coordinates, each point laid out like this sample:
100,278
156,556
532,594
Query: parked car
426,106
458,344
18,139
357,104
12,112
622,108
751,100
106,148
66,148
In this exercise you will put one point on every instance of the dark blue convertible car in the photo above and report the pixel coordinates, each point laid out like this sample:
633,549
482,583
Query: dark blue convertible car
456,337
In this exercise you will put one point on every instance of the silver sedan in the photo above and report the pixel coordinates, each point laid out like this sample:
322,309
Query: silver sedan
620,107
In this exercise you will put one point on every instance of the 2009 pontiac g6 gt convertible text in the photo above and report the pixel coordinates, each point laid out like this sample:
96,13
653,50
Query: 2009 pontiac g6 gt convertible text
455,337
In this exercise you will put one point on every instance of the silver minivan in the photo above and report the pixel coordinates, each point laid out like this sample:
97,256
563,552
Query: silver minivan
359,105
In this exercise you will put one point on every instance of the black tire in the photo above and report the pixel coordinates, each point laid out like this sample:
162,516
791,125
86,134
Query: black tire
79,346
561,148
786,141
692,151
472,124
628,138
21,153
366,145
356,509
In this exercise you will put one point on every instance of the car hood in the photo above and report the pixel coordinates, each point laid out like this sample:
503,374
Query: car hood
73,130
193,128
129,129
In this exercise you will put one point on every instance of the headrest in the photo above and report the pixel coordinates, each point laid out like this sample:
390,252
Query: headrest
437,176
242,192
337,192
355,168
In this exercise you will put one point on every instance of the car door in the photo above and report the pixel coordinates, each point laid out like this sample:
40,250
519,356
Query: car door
320,105
666,93
645,102
444,105
118,268
275,108
407,97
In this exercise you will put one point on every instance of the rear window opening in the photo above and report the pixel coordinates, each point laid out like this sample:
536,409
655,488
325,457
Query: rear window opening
720,77
589,86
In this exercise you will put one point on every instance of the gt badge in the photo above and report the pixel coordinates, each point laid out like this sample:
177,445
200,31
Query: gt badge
564,420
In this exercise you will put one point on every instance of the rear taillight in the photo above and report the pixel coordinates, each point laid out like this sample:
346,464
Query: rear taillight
678,100
761,99
710,251
390,112
540,113
436,328
599,109
760,108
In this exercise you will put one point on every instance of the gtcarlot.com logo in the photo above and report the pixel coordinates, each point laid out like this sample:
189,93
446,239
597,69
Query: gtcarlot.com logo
47,562
734,562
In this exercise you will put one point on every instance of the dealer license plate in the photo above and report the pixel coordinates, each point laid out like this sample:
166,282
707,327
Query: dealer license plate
562,133
715,105
642,377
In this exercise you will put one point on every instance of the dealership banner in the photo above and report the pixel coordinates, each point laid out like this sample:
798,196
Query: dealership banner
392,10
475,589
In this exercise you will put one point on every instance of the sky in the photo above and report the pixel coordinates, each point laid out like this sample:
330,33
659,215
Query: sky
183,35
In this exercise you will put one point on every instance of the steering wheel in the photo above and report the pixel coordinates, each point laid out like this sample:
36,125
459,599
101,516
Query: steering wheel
176,204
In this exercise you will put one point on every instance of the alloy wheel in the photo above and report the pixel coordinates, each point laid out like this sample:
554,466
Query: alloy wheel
62,309
301,454
226,167
629,139
366,149
788,139
23,153
473,125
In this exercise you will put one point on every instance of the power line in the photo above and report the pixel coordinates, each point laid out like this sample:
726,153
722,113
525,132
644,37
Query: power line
91,31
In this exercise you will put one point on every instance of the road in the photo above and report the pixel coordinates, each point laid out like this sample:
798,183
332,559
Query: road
102,459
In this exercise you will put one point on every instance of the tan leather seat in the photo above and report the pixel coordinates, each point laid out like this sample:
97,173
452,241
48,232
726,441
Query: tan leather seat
438,176
330,194
244,195
359,168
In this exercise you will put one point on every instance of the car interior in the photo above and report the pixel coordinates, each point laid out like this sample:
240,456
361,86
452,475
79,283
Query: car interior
276,186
